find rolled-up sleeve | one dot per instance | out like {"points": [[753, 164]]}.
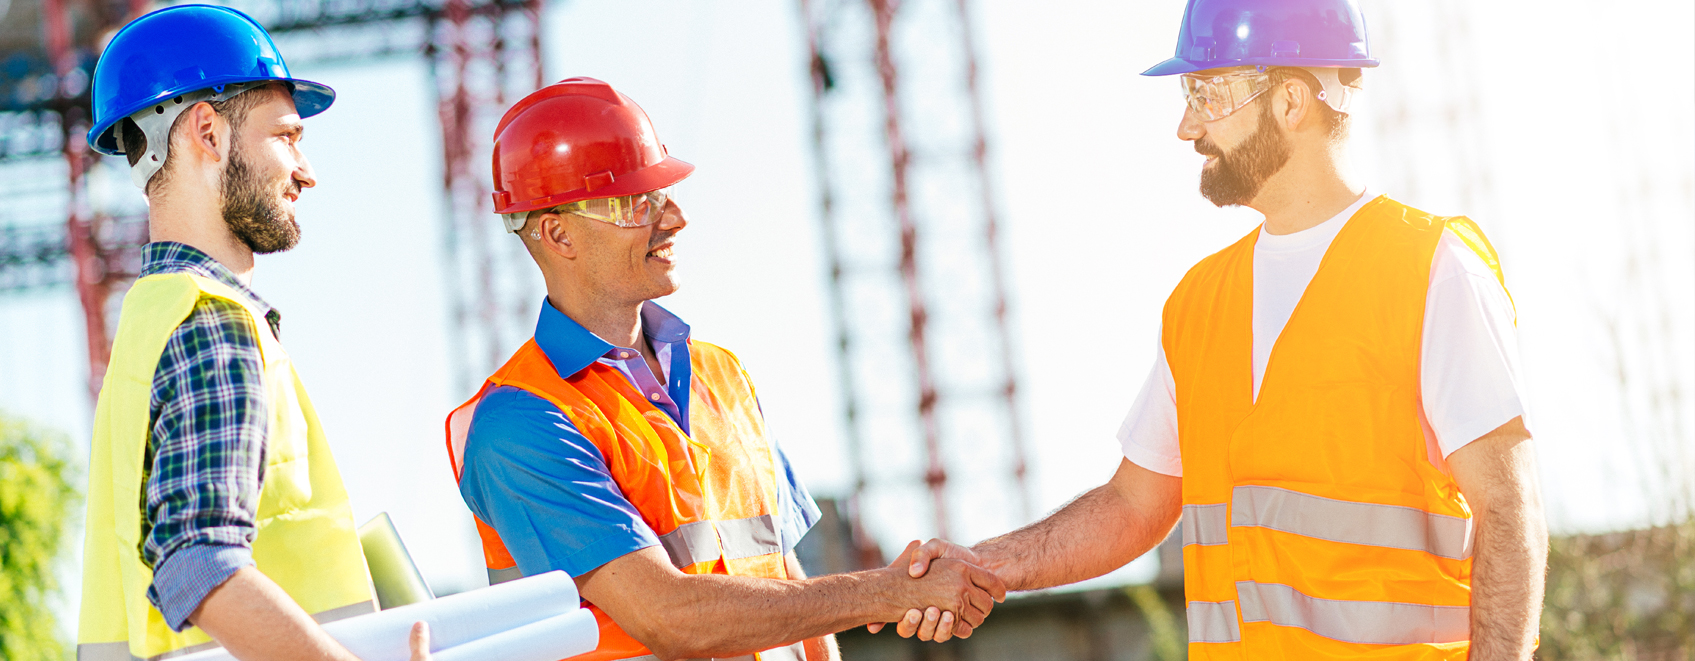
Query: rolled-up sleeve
{"points": [[545, 488], [207, 451]]}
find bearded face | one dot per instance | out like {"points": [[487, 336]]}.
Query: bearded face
{"points": [[1235, 177], [254, 206]]}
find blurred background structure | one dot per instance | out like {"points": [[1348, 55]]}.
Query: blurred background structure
{"points": [[937, 232]]}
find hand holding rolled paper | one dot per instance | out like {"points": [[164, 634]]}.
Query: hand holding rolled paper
{"points": [[531, 619]]}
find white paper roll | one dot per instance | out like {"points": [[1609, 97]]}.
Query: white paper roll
{"points": [[551, 639], [454, 620]]}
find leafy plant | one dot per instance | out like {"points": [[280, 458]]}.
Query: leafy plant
{"points": [[1626, 596], [36, 502]]}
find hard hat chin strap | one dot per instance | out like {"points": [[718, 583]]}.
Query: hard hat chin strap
{"points": [[155, 122]]}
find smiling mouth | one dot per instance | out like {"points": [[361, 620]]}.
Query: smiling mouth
{"points": [[662, 253]]}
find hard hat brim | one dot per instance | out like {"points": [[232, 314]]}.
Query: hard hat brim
{"points": [[1179, 65], [654, 177], [310, 98]]}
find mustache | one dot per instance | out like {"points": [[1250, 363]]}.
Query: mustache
{"points": [[659, 238], [1206, 148]]}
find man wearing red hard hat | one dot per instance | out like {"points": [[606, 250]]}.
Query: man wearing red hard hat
{"points": [[618, 449]]}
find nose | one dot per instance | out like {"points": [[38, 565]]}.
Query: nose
{"points": [[674, 218], [303, 173], [1190, 128]]}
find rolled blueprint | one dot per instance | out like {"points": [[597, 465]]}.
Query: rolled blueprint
{"points": [[455, 620], [393, 573], [551, 639]]}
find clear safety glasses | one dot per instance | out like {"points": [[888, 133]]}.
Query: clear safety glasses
{"points": [[638, 210], [1215, 97]]}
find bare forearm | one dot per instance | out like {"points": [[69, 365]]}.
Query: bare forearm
{"points": [[1497, 474], [256, 621], [720, 616], [1507, 579], [1098, 532]]}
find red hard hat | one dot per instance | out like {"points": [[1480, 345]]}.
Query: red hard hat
{"points": [[577, 139]]}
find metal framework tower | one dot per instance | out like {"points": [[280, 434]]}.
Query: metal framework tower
{"points": [[917, 285], [480, 51]]}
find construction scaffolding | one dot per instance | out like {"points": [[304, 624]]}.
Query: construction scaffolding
{"points": [[926, 357], [481, 52]]}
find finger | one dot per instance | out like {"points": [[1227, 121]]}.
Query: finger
{"points": [[931, 550], [921, 557], [944, 629], [932, 617], [979, 601], [420, 641], [971, 613], [990, 582], [874, 627], [963, 629], [909, 625], [906, 555]]}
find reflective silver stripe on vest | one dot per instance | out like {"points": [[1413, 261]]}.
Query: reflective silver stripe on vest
{"points": [[119, 651], [742, 538], [1389, 526], [1207, 525], [1213, 622], [1366, 622], [795, 652], [191, 649], [333, 614], [498, 576]]}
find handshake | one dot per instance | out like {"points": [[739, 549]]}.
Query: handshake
{"points": [[953, 589]]}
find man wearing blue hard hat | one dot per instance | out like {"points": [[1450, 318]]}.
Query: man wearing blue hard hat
{"points": [[216, 515], [1336, 410]]}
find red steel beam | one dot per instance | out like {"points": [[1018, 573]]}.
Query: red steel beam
{"points": [[997, 270], [94, 280], [935, 474]]}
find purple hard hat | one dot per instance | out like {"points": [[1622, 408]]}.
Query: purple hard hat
{"points": [[1272, 33]]}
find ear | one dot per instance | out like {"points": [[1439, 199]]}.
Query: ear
{"points": [[552, 232], [202, 132], [1300, 99]]}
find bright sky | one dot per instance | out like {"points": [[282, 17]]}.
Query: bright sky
{"points": [[1588, 163]]}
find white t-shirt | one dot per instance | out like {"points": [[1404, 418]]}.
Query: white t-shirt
{"points": [[1469, 373]]}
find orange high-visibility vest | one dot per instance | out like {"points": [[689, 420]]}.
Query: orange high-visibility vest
{"points": [[711, 496], [1316, 522]]}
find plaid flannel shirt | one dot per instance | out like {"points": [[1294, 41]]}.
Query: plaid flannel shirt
{"points": [[205, 457]]}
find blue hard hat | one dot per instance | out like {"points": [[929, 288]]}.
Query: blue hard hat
{"points": [[182, 49], [1272, 33]]}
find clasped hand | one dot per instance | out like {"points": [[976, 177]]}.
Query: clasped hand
{"points": [[978, 590]]}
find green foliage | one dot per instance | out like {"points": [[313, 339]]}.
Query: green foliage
{"points": [[36, 502], [1627, 596], [1169, 643]]}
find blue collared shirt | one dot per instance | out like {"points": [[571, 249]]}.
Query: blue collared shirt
{"points": [[546, 488]]}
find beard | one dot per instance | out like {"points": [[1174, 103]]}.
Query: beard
{"points": [[254, 209], [1235, 178]]}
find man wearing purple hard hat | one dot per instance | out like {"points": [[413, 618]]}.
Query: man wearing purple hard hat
{"points": [[1336, 412]]}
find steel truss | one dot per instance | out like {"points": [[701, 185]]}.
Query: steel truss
{"points": [[480, 51], [912, 238]]}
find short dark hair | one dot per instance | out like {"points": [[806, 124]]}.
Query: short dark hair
{"points": [[234, 110], [1336, 123]]}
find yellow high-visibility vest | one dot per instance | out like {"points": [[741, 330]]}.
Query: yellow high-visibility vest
{"points": [[306, 539], [1316, 522]]}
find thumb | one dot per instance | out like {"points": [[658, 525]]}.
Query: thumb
{"points": [[921, 557], [420, 641]]}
